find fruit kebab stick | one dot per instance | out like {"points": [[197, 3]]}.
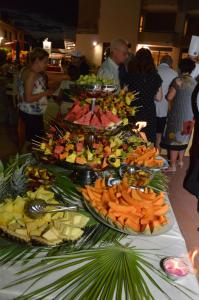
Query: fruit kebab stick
{"points": [[93, 104]]}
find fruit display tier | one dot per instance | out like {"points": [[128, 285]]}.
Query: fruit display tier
{"points": [[106, 114], [66, 148]]}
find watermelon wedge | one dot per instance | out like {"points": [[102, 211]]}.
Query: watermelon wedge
{"points": [[85, 119], [95, 121], [112, 117], [70, 116], [96, 109], [104, 120], [77, 111]]}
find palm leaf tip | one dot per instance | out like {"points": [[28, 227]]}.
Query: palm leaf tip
{"points": [[114, 272]]}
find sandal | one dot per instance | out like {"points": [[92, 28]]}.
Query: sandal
{"points": [[171, 169]]}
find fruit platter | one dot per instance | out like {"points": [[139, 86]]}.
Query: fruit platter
{"points": [[131, 211], [69, 148], [101, 115], [144, 156], [50, 229]]}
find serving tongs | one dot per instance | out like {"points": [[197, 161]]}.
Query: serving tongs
{"points": [[37, 208]]}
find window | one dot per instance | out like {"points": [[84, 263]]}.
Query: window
{"points": [[159, 22]]}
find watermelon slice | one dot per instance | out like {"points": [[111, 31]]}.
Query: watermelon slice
{"points": [[77, 111], [95, 121], [104, 120], [85, 119], [96, 109], [76, 107], [71, 116], [112, 117]]}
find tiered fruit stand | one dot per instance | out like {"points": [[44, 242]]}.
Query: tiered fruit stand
{"points": [[114, 178]]}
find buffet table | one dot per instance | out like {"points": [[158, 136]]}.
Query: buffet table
{"points": [[118, 227], [169, 244]]}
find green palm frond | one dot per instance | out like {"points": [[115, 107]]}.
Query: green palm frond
{"points": [[114, 272], [159, 182]]}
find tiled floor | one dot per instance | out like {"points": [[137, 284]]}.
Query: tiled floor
{"points": [[185, 207]]}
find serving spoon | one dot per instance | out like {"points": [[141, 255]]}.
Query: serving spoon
{"points": [[37, 208]]}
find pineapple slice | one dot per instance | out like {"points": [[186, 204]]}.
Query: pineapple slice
{"points": [[50, 229], [72, 233], [19, 205], [13, 226], [22, 231], [58, 215], [47, 218], [9, 207], [5, 218], [51, 235]]}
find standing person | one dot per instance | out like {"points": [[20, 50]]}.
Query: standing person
{"points": [[143, 78], [167, 74], [180, 118], [113, 67], [191, 182], [63, 94], [33, 93]]}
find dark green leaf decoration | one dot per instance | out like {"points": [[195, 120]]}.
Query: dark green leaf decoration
{"points": [[1, 168], [113, 272], [159, 182]]}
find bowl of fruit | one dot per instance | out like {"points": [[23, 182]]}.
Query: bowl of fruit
{"points": [[136, 177], [92, 85]]}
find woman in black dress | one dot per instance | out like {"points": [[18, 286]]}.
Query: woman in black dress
{"points": [[143, 78]]}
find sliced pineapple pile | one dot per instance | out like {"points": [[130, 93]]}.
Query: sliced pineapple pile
{"points": [[50, 229]]}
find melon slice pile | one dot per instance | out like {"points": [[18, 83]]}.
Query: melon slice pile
{"points": [[128, 209], [82, 114]]}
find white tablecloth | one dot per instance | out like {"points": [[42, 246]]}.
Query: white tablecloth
{"points": [[169, 244]]}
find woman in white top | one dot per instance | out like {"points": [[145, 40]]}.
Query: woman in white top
{"points": [[33, 93]]}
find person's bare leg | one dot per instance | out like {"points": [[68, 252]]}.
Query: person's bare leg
{"points": [[173, 160], [180, 158], [173, 157], [158, 140]]}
